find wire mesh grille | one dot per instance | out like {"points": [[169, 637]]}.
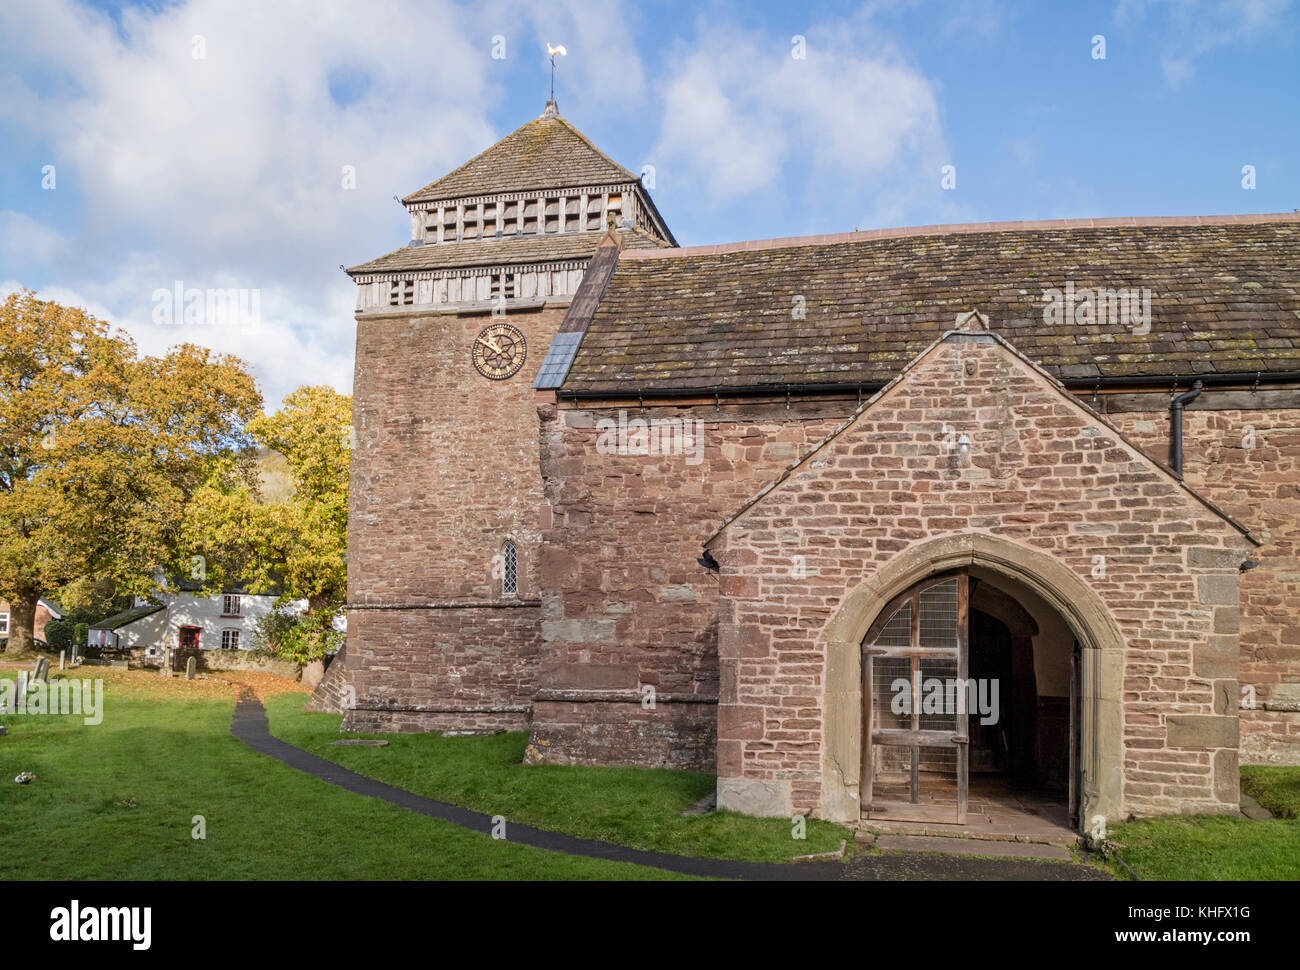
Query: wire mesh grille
{"points": [[898, 631], [939, 694], [936, 776], [891, 689], [939, 614]]}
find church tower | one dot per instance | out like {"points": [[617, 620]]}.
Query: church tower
{"points": [[443, 611]]}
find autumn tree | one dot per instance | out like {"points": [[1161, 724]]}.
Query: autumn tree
{"points": [[296, 545], [101, 453]]}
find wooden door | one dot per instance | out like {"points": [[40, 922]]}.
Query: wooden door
{"points": [[915, 742]]}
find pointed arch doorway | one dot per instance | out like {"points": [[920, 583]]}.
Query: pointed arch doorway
{"points": [[949, 695]]}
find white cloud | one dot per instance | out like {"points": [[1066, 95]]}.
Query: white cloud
{"points": [[23, 238], [602, 66], [226, 170], [741, 113], [1191, 30]]}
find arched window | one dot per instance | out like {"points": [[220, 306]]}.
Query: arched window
{"points": [[510, 569]]}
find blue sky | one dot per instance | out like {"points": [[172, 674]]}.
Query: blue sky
{"points": [[223, 170]]}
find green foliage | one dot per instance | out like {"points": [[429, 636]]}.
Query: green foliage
{"points": [[299, 637], [60, 634], [103, 450], [72, 629], [296, 545], [310, 637], [270, 630]]}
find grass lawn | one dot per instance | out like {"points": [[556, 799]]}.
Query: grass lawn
{"points": [[637, 807], [1210, 847], [1277, 789], [117, 801]]}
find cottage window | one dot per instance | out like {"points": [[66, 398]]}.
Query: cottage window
{"points": [[4, 624], [231, 605], [510, 575], [229, 639]]}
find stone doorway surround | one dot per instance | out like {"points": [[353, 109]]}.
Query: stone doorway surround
{"points": [[1080, 606]]}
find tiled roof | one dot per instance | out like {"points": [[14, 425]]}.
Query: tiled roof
{"points": [[546, 153], [1225, 298], [513, 250], [119, 620]]}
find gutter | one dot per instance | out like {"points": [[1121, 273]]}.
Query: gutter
{"points": [[1073, 383], [1176, 426], [746, 390]]}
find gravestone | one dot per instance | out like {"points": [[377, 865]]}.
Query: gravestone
{"points": [[62, 656], [189, 669], [165, 668], [42, 671]]}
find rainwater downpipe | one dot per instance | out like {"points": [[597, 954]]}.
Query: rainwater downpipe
{"points": [[1176, 424]]}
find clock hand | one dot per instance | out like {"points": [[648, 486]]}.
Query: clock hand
{"points": [[492, 344]]}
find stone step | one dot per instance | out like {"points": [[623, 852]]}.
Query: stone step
{"points": [[980, 847]]}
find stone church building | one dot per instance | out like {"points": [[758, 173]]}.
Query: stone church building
{"points": [[869, 525]]}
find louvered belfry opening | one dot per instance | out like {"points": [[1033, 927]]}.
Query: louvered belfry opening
{"points": [[915, 719]]}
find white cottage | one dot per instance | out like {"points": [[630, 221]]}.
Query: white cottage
{"points": [[186, 620]]}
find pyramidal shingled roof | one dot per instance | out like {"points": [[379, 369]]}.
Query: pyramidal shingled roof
{"points": [[548, 152]]}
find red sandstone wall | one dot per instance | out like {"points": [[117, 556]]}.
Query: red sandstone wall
{"points": [[625, 604], [445, 463], [1039, 473], [1260, 486], [444, 467]]}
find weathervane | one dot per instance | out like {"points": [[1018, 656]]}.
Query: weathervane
{"points": [[553, 51]]}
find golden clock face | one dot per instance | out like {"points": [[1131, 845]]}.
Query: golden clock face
{"points": [[499, 352]]}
